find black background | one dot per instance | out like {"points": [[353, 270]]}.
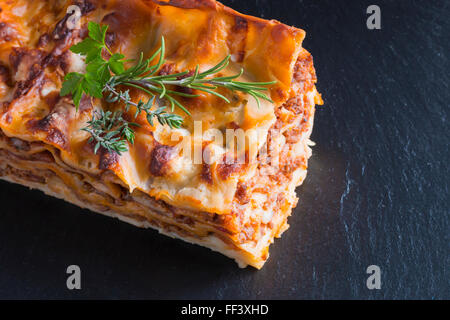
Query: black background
{"points": [[376, 191]]}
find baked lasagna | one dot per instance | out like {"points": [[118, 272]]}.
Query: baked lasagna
{"points": [[234, 207]]}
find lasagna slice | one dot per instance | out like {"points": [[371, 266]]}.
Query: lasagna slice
{"points": [[233, 207]]}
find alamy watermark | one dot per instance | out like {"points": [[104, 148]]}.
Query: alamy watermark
{"points": [[73, 21], [73, 281], [374, 280], [229, 146], [374, 20]]}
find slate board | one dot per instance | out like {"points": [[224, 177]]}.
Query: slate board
{"points": [[376, 192]]}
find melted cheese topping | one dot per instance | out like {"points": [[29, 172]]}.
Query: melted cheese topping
{"points": [[34, 43]]}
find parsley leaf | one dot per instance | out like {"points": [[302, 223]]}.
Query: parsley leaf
{"points": [[73, 85], [116, 63], [97, 32], [89, 48]]}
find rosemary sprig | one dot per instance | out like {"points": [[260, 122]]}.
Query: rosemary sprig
{"points": [[143, 77], [109, 77]]}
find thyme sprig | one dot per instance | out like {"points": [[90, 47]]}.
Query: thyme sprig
{"points": [[110, 131], [108, 77], [170, 119]]}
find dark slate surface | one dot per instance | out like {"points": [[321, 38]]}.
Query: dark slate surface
{"points": [[376, 193]]}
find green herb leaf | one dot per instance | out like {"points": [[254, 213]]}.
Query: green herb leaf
{"points": [[97, 32], [92, 87], [116, 63], [108, 129], [73, 84], [72, 81], [99, 70], [89, 48]]}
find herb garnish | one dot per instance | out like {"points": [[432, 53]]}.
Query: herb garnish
{"points": [[110, 130], [104, 76]]}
